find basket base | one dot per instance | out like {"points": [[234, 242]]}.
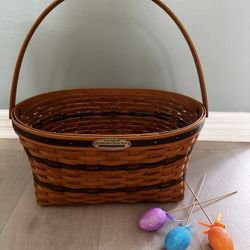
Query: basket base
{"points": [[46, 197]]}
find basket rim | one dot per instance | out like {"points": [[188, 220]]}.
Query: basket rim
{"points": [[71, 136]]}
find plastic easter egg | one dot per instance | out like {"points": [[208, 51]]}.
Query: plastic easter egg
{"points": [[179, 238], [152, 220], [220, 239]]}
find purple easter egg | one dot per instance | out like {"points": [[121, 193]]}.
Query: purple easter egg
{"points": [[152, 220]]}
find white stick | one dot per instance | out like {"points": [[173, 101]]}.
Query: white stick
{"points": [[197, 195], [202, 208], [204, 202]]}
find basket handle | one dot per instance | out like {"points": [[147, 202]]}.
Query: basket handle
{"points": [[56, 3]]}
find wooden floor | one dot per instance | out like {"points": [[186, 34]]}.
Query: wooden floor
{"points": [[26, 226]]}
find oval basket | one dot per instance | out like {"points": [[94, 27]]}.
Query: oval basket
{"points": [[108, 145]]}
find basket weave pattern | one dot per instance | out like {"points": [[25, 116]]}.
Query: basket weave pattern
{"points": [[108, 145]]}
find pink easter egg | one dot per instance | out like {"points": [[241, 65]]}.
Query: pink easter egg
{"points": [[152, 220]]}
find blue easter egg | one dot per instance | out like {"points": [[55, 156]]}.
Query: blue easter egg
{"points": [[179, 238]]}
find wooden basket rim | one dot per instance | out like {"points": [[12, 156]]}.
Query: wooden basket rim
{"points": [[71, 136]]}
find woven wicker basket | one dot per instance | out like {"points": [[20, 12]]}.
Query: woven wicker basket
{"points": [[108, 145]]}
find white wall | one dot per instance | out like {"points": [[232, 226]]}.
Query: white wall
{"points": [[127, 43]]}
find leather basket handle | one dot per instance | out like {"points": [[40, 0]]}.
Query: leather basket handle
{"points": [[53, 5]]}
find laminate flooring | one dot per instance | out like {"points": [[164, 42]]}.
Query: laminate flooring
{"points": [[24, 225]]}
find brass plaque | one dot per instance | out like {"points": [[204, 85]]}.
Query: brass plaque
{"points": [[111, 144]]}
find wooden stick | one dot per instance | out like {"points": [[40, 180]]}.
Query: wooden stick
{"points": [[197, 195], [204, 202], [202, 208]]}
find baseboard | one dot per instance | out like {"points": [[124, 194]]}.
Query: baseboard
{"points": [[6, 130], [227, 126], [220, 126]]}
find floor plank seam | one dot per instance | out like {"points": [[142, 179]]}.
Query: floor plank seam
{"points": [[99, 231], [238, 161], [25, 188], [198, 238]]}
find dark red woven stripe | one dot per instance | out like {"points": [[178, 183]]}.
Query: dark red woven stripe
{"points": [[93, 168], [81, 143], [105, 190]]}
